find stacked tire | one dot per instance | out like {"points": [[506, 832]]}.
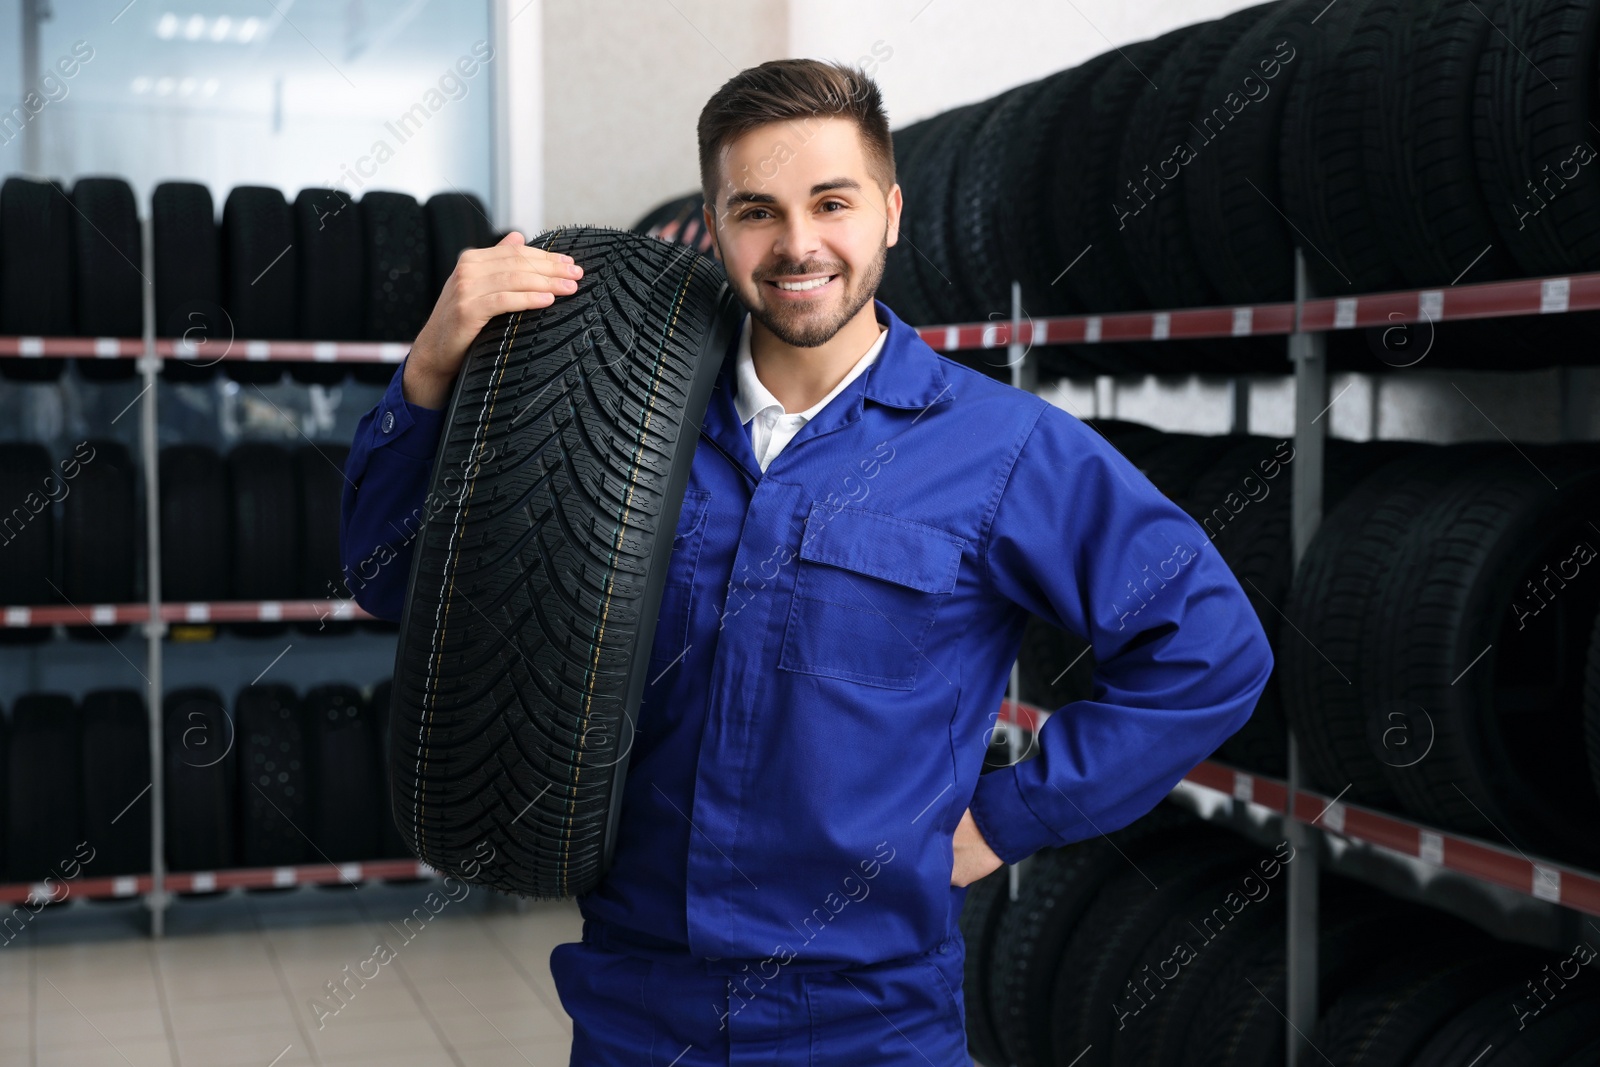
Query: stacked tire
{"points": [[1399, 144], [1164, 944]]}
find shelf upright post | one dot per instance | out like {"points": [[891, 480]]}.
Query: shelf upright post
{"points": [[154, 627], [1024, 375], [1308, 352]]}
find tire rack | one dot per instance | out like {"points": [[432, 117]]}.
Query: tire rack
{"points": [[1303, 321]]}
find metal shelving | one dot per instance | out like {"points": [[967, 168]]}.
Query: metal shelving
{"points": [[1306, 814]]}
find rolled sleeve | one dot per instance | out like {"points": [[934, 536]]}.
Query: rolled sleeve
{"points": [[381, 512], [1082, 539]]}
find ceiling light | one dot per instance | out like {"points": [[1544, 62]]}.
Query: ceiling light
{"points": [[220, 28], [247, 31], [167, 26], [163, 86], [141, 84], [194, 27], [210, 88]]}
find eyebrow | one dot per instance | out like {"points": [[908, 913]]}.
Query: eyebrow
{"points": [[767, 198]]}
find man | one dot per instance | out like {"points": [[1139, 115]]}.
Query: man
{"points": [[866, 530]]}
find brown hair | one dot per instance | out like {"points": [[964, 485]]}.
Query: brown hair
{"points": [[781, 90]]}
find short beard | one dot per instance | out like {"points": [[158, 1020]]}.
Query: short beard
{"points": [[809, 334]]}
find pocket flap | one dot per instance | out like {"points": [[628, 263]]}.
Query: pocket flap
{"points": [[896, 550]]}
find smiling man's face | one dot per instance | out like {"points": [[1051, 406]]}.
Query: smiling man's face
{"points": [[803, 230]]}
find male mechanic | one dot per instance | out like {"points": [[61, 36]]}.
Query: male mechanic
{"points": [[866, 530]]}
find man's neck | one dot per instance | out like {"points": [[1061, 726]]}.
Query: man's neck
{"points": [[799, 377]]}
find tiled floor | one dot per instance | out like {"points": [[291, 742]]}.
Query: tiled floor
{"points": [[243, 980]]}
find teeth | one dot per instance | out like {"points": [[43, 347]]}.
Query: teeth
{"points": [[799, 287]]}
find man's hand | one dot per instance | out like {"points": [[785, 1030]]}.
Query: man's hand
{"points": [[974, 858], [486, 282]]}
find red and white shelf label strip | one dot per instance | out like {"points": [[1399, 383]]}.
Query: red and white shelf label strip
{"points": [[280, 877], [48, 347], [19, 617], [1526, 296], [133, 885], [207, 354], [1502, 866], [1530, 296]]}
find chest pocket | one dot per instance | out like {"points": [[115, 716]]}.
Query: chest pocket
{"points": [[867, 589], [672, 621]]}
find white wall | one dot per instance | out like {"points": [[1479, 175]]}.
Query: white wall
{"points": [[624, 82], [950, 52]]}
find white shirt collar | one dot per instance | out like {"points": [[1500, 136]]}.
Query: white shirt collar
{"points": [[753, 398]]}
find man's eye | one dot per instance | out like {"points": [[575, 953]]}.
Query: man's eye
{"points": [[836, 203], [752, 213]]}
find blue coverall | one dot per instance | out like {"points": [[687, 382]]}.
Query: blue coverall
{"points": [[832, 648]]}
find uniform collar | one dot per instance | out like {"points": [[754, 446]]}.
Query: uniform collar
{"points": [[907, 375], [751, 397]]}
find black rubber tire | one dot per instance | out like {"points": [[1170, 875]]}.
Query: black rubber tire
{"points": [[1033, 254], [1233, 191], [1088, 146], [456, 222], [1168, 1033], [1384, 1021], [36, 287], [186, 247], [196, 527], [986, 902], [1473, 569], [1224, 918], [36, 282], [107, 251], [266, 523], [108, 264], [1175, 462], [274, 786], [328, 242], [45, 786], [1323, 690], [1055, 667], [1535, 103], [1131, 907], [982, 184], [1484, 1024], [1254, 541], [398, 264], [448, 793], [934, 221], [899, 289], [390, 844], [319, 476], [260, 275], [102, 543], [1591, 703], [679, 221], [1155, 235], [345, 780], [1322, 165], [1059, 887], [28, 534], [1361, 932], [200, 785], [1422, 179], [116, 781]]}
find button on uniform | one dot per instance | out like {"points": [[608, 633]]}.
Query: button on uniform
{"points": [[388, 422]]}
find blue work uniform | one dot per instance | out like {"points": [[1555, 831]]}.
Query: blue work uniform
{"points": [[833, 645]]}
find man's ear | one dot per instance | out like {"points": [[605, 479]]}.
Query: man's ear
{"points": [[711, 227], [893, 205]]}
